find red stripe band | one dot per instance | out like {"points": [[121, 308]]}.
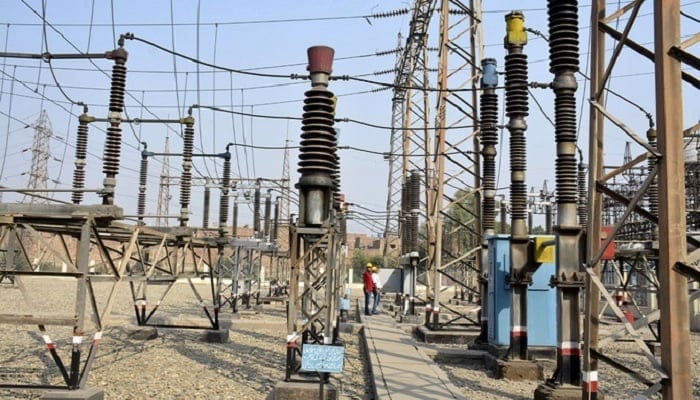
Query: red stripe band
{"points": [[590, 387], [568, 352]]}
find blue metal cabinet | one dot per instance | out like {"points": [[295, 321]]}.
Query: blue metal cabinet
{"points": [[541, 298]]}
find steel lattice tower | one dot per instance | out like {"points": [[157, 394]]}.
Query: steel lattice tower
{"points": [[164, 188], [455, 181], [411, 103], [284, 204], [393, 201], [39, 170]]}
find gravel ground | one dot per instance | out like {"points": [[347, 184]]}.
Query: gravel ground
{"points": [[476, 382], [178, 364]]}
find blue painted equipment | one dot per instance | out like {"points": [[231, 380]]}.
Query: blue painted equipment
{"points": [[541, 298]]}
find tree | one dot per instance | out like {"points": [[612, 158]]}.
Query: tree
{"points": [[360, 259]]}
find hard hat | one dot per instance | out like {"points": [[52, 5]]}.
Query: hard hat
{"points": [[369, 265], [375, 269]]}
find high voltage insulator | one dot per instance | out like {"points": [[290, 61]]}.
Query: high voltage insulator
{"points": [[414, 206], [516, 81], [563, 36], [564, 62], [207, 201], [392, 13], [234, 221], [653, 191], [582, 195], [318, 146], [81, 142], [186, 179], [386, 71], [268, 216], [403, 215], [489, 141], [256, 210], [276, 220], [224, 200], [143, 176], [113, 141], [389, 52]]}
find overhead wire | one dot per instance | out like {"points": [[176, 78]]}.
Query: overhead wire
{"points": [[127, 92], [358, 149], [379, 15], [65, 148], [7, 130], [45, 46], [690, 17], [213, 97], [92, 17], [252, 140], [245, 152], [114, 27], [233, 126], [61, 106], [539, 106], [4, 60], [199, 111]]}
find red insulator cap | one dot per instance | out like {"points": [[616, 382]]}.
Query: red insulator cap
{"points": [[320, 59]]}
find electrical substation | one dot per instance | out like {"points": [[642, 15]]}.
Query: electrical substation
{"points": [[556, 255]]}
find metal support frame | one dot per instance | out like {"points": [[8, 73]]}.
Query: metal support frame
{"points": [[672, 375], [453, 178]]}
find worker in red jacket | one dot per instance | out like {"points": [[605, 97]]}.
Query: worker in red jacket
{"points": [[368, 286]]}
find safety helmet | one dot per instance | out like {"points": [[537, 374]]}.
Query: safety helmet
{"points": [[375, 269], [369, 265]]}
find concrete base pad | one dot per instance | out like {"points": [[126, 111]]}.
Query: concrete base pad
{"points": [[303, 391], [564, 392], [409, 319], [79, 394], [142, 332], [216, 336], [516, 370], [349, 327], [447, 336], [534, 352]]}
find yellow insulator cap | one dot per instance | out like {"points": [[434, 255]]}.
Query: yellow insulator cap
{"points": [[544, 249], [515, 29]]}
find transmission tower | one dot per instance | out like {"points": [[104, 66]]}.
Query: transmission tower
{"points": [[164, 189], [39, 170], [453, 182], [410, 109], [284, 204], [395, 172]]}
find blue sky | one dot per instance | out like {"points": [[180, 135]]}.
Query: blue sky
{"points": [[270, 37]]}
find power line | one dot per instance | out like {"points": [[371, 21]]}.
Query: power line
{"points": [[204, 63], [395, 13]]}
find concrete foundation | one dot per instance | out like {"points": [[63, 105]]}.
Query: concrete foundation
{"points": [[534, 352], [216, 336], [546, 391], [303, 391], [516, 370], [258, 308], [447, 335], [409, 319], [78, 394], [142, 332]]}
